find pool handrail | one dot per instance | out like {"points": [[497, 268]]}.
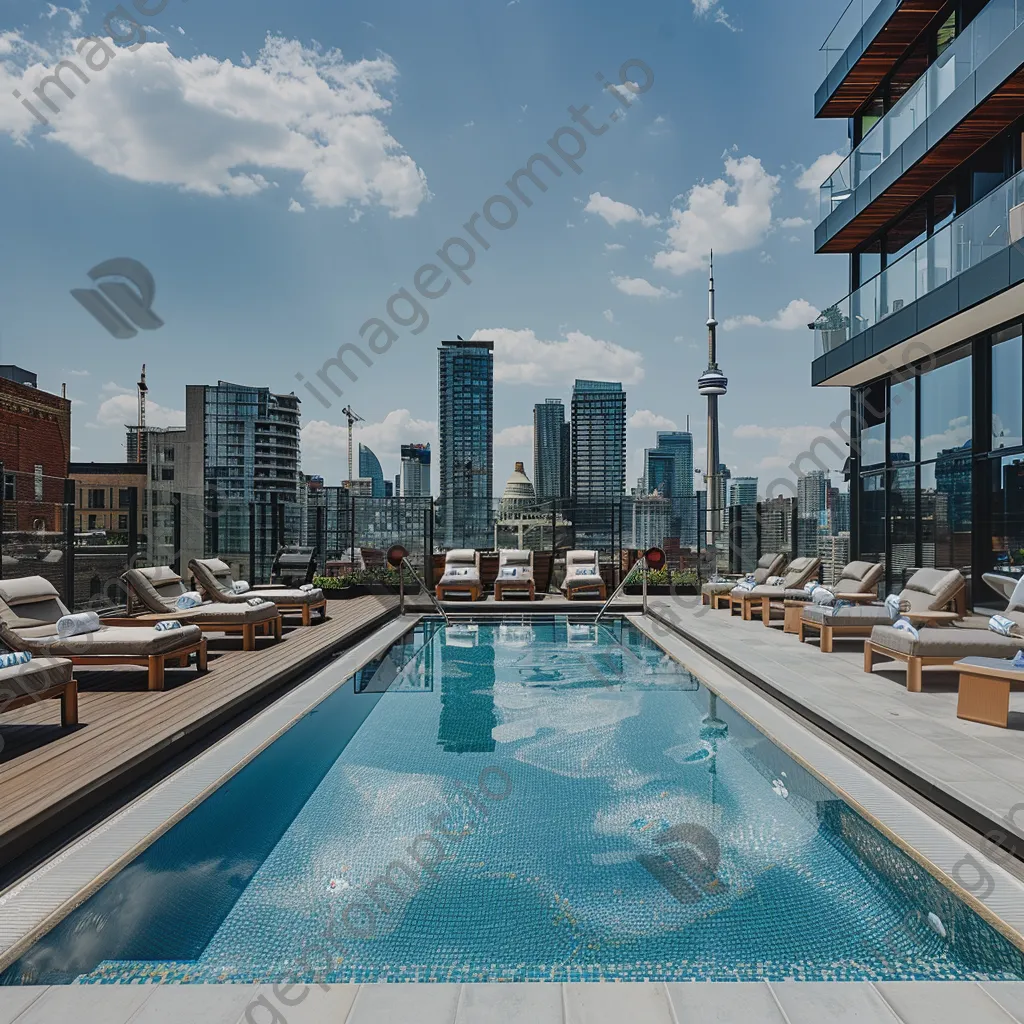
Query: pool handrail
{"points": [[423, 587], [625, 580]]}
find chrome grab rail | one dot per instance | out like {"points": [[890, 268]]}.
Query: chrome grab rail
{"points": [[626, 579], [423, 587]]}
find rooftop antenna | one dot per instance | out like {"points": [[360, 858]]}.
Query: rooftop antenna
{"points": [[353, 418], [143, 391]]}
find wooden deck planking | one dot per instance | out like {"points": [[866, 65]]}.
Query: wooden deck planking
{"points": [[53, 775]]}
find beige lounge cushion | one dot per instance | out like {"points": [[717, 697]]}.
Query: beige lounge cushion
{"points": [[35, 676], [220, 612], [849, 615], [156, 588], [29, 602], [799, 572], [214, 578], [724, 587], [461, 557], [930, 590], [128, 641], [946, 642]]}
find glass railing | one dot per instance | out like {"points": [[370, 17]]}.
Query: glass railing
{"points": [[992, 25], [848, 25], [978, 233]]}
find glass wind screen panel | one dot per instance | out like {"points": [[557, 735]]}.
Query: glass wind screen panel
{"points": [[952, 68], [903, 421], [946, 410], [1007, 379], [902, 520], [848, 25], [980, 232]]}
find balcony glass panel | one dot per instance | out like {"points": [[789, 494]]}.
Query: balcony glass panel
{"points": [[978, 233], [953, 67], [848, 25]]}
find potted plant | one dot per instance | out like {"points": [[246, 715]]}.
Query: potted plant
{"points": [[363, 582], [833, 326]]}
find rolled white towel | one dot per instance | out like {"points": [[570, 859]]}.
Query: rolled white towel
{"points": [[893, 606], [823, 596], [775, 581], [240, 586], [166, 624], [1003, 626], [190, 599], [255, 601], [747, 585], [905, 626], [307, 587], [76, 625], [13, 658]]}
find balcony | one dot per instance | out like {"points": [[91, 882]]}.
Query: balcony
{"points": [[988, 227], [953, 69], [869, 38]]}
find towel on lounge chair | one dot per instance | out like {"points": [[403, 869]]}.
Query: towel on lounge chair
{"points": [[810, 588], [190, 599], [1018, 660], [905, 626], [822, 595], [1004, 627], [775, 581], [12, 658], [167, 624], [76, 625], [747, 585], [255, 601], [893, 606], [240, 586], [307, 586]]}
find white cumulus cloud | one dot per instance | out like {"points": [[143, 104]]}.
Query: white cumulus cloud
{"points": [[729, 214], [616, 213], [640, 287], [219, 128], [644, 419], [799, 313], [520, 357], [123, 408], [811, 179], [514, 437]]}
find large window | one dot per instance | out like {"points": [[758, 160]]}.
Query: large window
{"points": [[946, 408], [903, 421], [1007, 498], [872, 407], [1007, 380]]}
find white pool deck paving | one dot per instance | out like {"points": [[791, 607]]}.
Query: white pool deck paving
{"points": [[787, 1002], [978, 767]]}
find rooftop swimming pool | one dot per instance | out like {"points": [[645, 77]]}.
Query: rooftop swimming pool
{"points": [[509, 802]]}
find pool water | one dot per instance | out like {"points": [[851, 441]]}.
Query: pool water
{"points": [[521, 802]]}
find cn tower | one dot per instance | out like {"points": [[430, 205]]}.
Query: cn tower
{"points": [[712, 383]]}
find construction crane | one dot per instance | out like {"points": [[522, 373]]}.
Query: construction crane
{"points": [[143, 390], [353, 418]]}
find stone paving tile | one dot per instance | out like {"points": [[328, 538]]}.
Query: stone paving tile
{"points": [[299, 1004], [14, 1000], [404, 1004], [88, 1004], [934, 1002], [1009, 995], [209, 1004], [823, 1002], [539, 1003], [712, 1003], [617, 1003]]}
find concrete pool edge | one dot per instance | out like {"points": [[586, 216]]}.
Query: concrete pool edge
{"points": [[41, 899], [934, 847]]}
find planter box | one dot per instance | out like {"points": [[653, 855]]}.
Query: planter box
{"points": [[365, 589], [660, 590]]}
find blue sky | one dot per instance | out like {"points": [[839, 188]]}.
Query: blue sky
{"points": [[284, 169]]}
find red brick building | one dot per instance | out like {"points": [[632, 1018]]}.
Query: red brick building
{"points": [[35, 448]]}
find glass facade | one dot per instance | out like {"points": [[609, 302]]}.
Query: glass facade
{"points": [[466, 429], [369, 469], [550, 450], [940, 477]]}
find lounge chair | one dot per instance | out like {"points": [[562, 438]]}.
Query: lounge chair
{"points": [[858, 581], [461, 575], [944, 645], [583, 573], [800, 572], [515, 574], [215, 583], [716, 592], [928, 595], [30, 608], [40, 679], [153, 594]]}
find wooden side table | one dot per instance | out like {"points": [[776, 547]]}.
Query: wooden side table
{"points": [[985, 685]]}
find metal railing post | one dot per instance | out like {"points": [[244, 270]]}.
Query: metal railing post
{"points": [[69, 544]]}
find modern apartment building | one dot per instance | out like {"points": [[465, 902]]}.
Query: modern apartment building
{"points": [[369, 468], [929, 205], [415, 481], [668, 469], [743, 496], [551, 450], [466, 435], [599, 464]]}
